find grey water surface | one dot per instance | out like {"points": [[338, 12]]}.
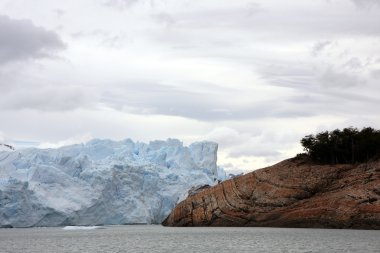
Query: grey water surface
{"points": [[156, 238]]}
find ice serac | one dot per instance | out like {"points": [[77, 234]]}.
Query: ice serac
{"points": [[293, 193], [102, 182]]}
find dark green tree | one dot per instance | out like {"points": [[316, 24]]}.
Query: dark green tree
{"points": [[343, 146]]}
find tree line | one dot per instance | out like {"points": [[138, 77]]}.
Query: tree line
{"points": [[349, 145]]}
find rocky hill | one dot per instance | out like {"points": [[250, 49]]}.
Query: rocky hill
{"points": [[292, 193]]}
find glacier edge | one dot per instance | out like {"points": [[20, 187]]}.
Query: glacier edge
{"points": [[102, 182]]}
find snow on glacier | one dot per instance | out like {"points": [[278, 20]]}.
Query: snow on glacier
{"points": [[101, 182]]}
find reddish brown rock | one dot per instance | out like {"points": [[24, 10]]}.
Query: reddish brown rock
{"points": [[293, 193]]}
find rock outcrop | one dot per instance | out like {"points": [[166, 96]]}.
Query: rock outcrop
{"points": [[292, 193]]}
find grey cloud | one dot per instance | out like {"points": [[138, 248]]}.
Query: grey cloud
{"points": [[353, 63], [237, 144], [342, 101], [22, 40], [366, 3], [92, 33], [59, 12], [122, 4], [274, 24], [290, 75], [321, 91], [335, 100], [258, 151], [104, 38], [153, 98], [228, 137], [24, 87], [337, 79], [227, 165], [115, 41], [48, 98], [305, 99], [375, 73], [253, 8], [320, 46], [309, 76], [164, 18]]}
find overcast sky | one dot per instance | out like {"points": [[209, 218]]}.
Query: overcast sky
{"points": [[254, 76]]}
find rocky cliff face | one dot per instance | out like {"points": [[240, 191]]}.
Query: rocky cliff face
{"points": [[293, 193]]}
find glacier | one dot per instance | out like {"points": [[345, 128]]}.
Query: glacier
{"points": [[102, 182]]}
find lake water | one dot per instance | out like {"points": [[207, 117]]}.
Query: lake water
{"points": [[163, 239]]}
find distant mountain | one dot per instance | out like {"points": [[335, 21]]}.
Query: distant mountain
{"points": [[292, 193], [101, 182]]}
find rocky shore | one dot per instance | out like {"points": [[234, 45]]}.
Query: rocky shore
{"points": [[292, 193]]}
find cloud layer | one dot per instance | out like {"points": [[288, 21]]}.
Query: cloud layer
{"points": [[22, 40], [253, 76]]}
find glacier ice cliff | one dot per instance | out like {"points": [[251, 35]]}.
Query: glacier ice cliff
{"points": [[102, 182]]}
